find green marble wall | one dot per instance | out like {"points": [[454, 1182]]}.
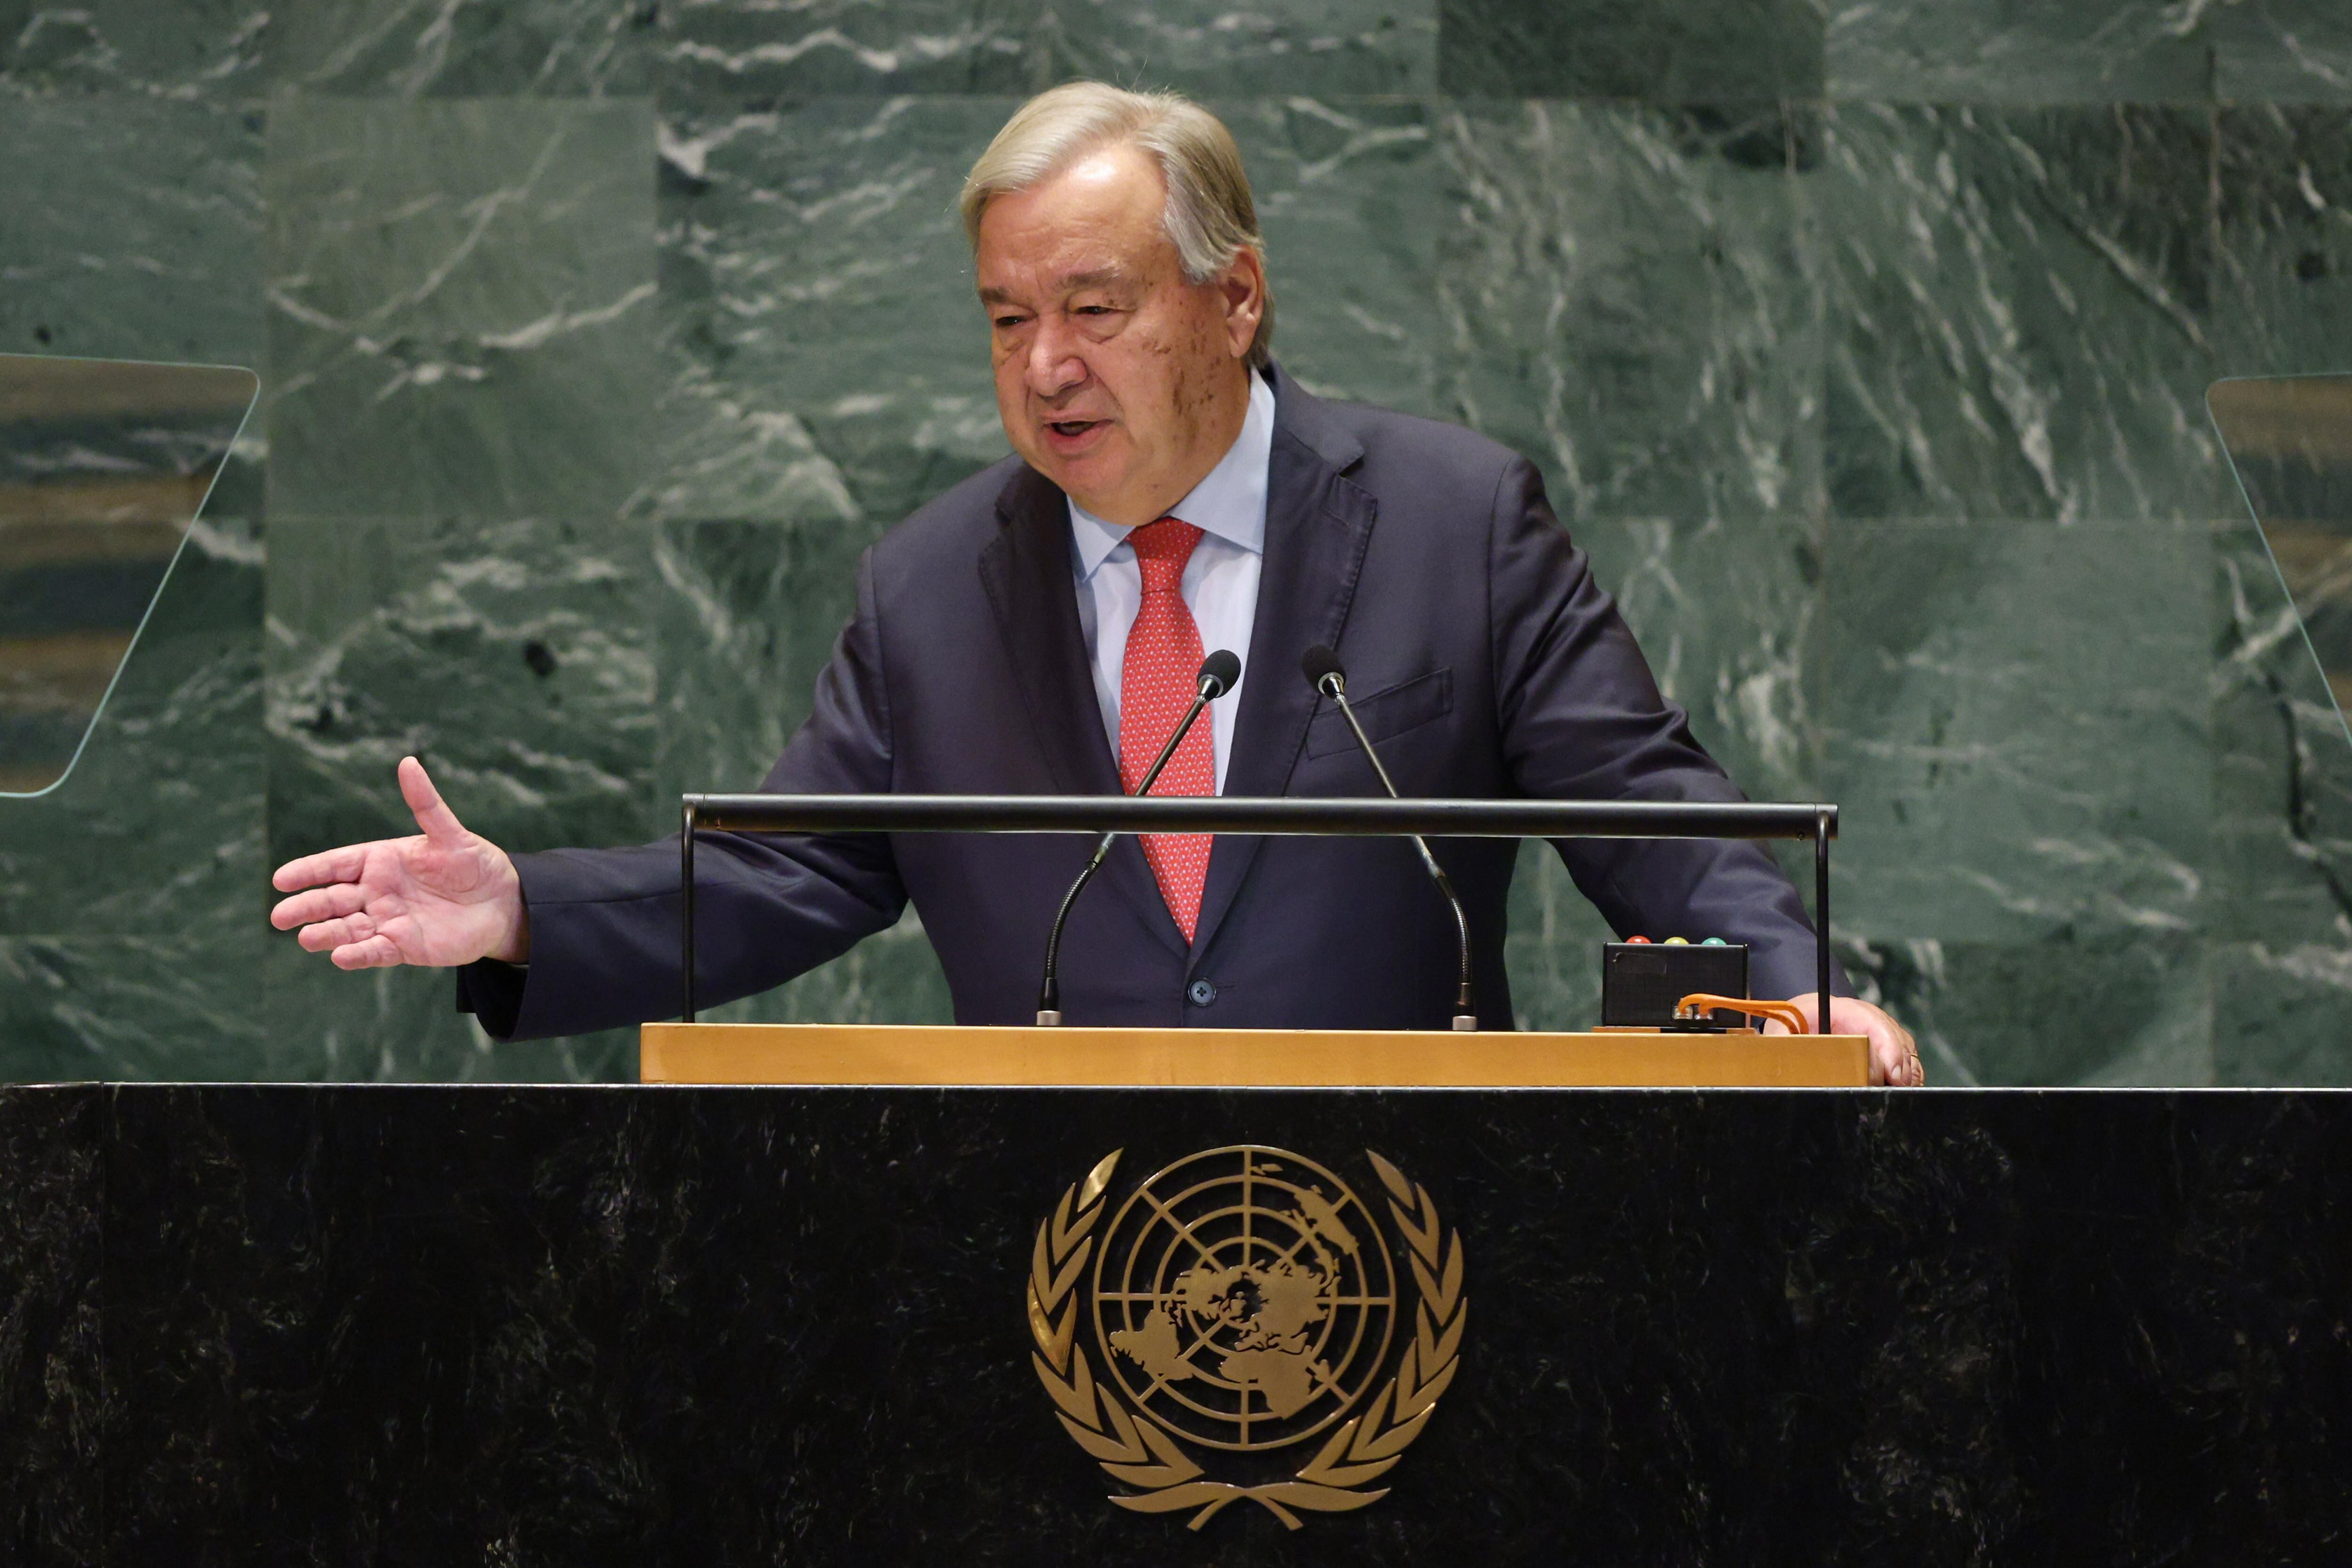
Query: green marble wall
{"points": [[1865, 351]]}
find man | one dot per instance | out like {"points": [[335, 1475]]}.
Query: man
{"points": [[1036, 630]]}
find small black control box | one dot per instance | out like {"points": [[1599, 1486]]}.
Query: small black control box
{"points": [[1642, 981]]}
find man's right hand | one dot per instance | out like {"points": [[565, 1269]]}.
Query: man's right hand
{"points": [[445, 896]]}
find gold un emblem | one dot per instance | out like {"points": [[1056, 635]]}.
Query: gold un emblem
{"points": [[1239, 1303]]}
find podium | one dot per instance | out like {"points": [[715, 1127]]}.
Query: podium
{"points": [[904, 1054], [692, 1327]]}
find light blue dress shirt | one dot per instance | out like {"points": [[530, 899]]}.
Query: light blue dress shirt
{"points": [[1220, 584]]}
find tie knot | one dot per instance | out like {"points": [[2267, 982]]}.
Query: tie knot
{"points": [[1161, 549]]}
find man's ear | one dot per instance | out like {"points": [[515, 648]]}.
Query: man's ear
{"points": [[1241, 289]]}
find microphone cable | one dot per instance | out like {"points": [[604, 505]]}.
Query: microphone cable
{"points": [[1324, 672], [1219, 671]]}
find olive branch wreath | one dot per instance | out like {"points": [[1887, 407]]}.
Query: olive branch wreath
{"points": [[1139, 1453]]}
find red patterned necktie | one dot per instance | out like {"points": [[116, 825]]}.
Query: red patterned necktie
{"points": [[1157, 682]]}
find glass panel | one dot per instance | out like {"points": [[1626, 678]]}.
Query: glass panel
{"points": [[2290, 439], [104, 465]]}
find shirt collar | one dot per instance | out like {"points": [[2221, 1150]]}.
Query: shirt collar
{"points": [[1230, 502]]}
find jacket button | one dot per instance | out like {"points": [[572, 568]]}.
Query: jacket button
{"points": [[1201, 992]]}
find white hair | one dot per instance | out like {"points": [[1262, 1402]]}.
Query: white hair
{"points": [[1209, 215]]}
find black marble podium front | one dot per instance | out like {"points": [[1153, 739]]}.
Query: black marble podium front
{"points": [[522, 1326]]}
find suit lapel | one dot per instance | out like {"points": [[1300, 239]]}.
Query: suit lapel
{"points": [[1317, 525], [1025, 570]]}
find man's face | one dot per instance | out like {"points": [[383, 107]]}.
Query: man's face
{"points": [[1116, 378]]}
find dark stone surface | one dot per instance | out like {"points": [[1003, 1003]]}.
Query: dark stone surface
{"points": [[52, 1388], [579, 1326]]}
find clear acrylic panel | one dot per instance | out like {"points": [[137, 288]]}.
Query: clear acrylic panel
{"points": [[2290, 440], [104, 465]]}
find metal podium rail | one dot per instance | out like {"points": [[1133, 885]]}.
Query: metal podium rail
{"points": [[1214, 814]]}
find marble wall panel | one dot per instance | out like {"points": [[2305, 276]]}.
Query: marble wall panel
{"points": [[2079, 1006], [458, 294], [1627, 49], [141, 238], [716, 52], [1626, 292], [817, 308], [413, 48], [1339, 48], [134, 48], [2019, 313], [2283, 226], [2281, 51], [2090, 51], [2016, 721], [745, 51], [2041, 51], [171, 1007], [1353, 199], [52, 1381], [2278, 1012]]}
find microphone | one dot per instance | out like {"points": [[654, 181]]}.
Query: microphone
{"points": [[1324, 672], [1218, 673]]}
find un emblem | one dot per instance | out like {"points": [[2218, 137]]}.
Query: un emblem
{"points": [[1245, 1301]]}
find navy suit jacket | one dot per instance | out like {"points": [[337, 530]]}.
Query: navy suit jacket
{"points": [[1482, 658]]}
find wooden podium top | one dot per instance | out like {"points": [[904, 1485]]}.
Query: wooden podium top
{"points": [[1241, 1059]]}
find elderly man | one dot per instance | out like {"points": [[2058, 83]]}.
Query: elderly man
{"points": [[1036, 630]]}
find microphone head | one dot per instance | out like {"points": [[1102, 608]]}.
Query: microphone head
{"points": [[1218, 673], [1321, 664]]}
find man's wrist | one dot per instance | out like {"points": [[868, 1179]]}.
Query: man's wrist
{"points": [[516, 949], [514, 946]]}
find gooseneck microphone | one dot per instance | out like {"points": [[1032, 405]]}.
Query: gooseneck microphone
{"points": [[1323, 671], [1218, 673]]}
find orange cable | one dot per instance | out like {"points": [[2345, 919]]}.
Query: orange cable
{"points": [[1787, 1013]]}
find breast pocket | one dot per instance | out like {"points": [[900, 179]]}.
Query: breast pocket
{"points": [[1391, 710]]}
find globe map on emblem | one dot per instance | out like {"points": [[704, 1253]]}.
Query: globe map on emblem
{"points": [[1243, 1297]]}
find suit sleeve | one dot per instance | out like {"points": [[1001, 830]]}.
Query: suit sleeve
{"points": [[604, 923], [1582, 719]]}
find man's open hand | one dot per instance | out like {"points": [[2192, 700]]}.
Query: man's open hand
{"points": [[445, 897], [1894, 1055]]}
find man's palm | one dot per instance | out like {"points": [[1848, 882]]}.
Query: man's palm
{"points": [[440, 898]]}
